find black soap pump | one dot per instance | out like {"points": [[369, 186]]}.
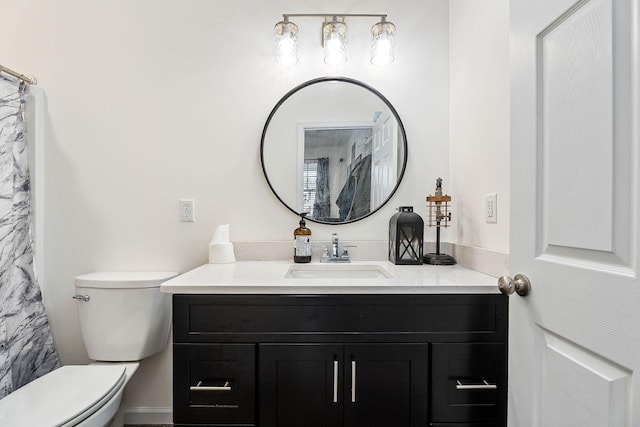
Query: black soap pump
{"points": [[302, 236]]}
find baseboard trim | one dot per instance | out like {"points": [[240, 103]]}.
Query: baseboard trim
{"points": [[148, 415]]}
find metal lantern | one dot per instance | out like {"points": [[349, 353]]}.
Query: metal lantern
{"points": [[406, 230]]}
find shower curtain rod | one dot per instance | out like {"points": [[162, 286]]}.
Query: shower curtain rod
{"points": [[25, 78]]}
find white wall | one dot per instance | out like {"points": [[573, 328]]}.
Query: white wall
{"points": [[479, 120], [153, 101]]}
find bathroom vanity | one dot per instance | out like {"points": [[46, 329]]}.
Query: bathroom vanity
{"points": [[272, 344]]}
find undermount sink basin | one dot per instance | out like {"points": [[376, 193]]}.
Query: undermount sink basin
{"points": [[337, 271]]}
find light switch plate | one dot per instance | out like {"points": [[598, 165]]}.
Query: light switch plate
{"points": [[491, 208]]}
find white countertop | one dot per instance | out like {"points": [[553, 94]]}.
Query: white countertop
{"points": [[268, 277]]}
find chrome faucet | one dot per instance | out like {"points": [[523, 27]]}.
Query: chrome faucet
{"points": [[335, 256], [334, 245]]}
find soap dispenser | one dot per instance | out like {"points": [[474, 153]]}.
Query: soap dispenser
{"points": [[302, 237]]}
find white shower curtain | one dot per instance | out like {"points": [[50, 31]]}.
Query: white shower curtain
{"points": [[26, 345]]}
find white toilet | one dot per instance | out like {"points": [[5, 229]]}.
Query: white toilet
{"points": [[124, 318]]}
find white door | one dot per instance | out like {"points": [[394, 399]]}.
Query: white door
{"points": [[575, 340], [384, 159]]}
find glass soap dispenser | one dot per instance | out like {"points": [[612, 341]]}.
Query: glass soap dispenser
{"points": [[302, 237]]}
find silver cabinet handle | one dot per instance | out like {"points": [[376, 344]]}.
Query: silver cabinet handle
{"points": [[485, 386], [199, 387], [335, 381], [353, 381], [84, 298]]}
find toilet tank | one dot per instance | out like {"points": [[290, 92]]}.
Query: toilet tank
{"points": [[123, 315]]}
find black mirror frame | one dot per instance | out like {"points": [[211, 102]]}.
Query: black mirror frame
{"points": [[345, 80]]}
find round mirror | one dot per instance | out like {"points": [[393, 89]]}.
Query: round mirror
{"points": [[334, 148]]}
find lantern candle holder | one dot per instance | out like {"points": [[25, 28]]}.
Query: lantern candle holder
{"points": [[406, 230], [439, 216]]}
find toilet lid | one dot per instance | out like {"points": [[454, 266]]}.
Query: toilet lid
{"points": [[124, 279], [63, 397]]}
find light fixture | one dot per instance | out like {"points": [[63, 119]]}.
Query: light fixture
{"points": [[286, 46], [382, 42], [334, 38], [334, 41]]}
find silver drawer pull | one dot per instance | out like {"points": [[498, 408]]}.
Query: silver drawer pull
{"points": [[84, 298], [335, 381], [485, 386], [353, 381], [199, 387]]}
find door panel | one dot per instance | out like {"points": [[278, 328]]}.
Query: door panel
{"points": [[567, 370], [575, 340], [584, 148], [383, 159], [575, 95]]}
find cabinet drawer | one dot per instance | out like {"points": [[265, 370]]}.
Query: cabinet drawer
{"points": [[469, 383], [214, 384], [330, 318]]}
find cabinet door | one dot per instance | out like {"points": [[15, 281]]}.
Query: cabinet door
{"points": [[386, 385], [300, 385]]}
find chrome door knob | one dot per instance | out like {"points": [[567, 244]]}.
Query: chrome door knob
{"points": [[520, 284]]}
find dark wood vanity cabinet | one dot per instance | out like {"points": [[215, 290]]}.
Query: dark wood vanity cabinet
{"points": [[340, 360]]}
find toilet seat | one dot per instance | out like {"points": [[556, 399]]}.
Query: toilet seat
{"points": [[64, 397]]}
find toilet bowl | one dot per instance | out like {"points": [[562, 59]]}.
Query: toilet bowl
{"points": [[123, 318]]}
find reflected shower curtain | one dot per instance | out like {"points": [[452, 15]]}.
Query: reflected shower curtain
{"points": [[26, 345]]}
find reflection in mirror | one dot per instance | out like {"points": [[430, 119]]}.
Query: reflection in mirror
{"points": [[334, 148]]}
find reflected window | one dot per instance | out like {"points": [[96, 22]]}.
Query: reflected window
{"points": [[309, 185], [315, 188]]}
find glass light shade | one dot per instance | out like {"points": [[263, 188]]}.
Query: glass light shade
{"points": [[334, 40], [382, 43], [286, 43]]}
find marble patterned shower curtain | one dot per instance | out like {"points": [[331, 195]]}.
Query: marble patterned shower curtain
{"points": [[26, 345]]}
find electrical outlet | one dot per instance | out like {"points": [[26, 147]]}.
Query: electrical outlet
{"points": [[491, 208], [187, 210]]}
